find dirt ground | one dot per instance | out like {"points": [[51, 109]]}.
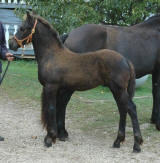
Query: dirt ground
{"points": [[21, 127]]}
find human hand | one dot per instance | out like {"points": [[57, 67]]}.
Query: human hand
{"points": [[9, 56]]}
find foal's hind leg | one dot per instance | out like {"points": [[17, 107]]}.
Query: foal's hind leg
{"points": [[136, 130], [63, 98], [49, 113], [123, 114], [126, 105], [121, 131], [156, 98]]}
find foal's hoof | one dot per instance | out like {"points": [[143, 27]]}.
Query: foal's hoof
{"points": [[48, 141], [116, 145], [158, 126], [63, 136], [136, 149], [118, 141]]}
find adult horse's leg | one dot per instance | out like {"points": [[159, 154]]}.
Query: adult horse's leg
{"points": [[156, 98], [49, 113], [125, 104], [63, 98]]}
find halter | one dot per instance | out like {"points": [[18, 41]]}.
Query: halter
{"points": [[28, 38]]}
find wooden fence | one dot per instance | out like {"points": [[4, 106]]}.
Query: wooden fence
{"points": [[13, 1]]}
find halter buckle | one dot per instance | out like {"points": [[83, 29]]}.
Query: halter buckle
{"points": [[28, 38]]}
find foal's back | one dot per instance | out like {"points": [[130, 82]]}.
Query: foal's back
{"points": [[95, 68]]}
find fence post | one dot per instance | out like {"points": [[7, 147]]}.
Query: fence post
{"points": [[15, 1], [7, 34], [15, 29], [22, 2]]}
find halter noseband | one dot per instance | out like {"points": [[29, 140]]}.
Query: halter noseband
{"points": [[28, 38]]}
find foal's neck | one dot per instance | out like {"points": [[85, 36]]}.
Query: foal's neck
{"points": [[46, 43]]}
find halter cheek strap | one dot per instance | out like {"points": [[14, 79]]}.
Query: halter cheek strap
{"points": [[28, 38]]}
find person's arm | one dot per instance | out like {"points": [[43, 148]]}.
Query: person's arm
{"points": [[3, 44], [4, 54]]}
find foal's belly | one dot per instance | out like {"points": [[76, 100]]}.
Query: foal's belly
{"points": [[82, 87], [82, 83]]}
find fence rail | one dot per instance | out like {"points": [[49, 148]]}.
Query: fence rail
{"points": [[12, 4], [13, 1]]}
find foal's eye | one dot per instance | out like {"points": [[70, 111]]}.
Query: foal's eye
{"points": [[29, 28], [22, 29]]}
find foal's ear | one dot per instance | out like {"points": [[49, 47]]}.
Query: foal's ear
{"points": [[34, 12], [29, 17]]}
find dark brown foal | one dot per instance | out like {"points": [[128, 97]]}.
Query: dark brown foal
{"points": [[60, 69]]}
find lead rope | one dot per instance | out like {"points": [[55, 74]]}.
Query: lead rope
{"points": [[3, 75], [29, 39], [6, 69]]}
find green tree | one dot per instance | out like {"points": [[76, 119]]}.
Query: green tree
{"points": [[128, 12], [65, 15]]}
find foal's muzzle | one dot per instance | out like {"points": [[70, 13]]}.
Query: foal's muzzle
{"points": [[13, 44]]}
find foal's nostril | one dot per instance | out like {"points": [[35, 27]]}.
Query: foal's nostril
{"points": [[12, 44]]}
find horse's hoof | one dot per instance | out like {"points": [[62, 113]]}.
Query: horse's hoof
{"points": [[116, 145], [63, 136], [54, 139], [52, 136], [48, 141], [158, 126], [136, 149]]}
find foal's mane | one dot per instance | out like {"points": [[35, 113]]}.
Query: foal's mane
{"points": [[43, 21], [52, 31]]}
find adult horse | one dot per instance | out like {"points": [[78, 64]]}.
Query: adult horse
{"points": [[138, 43], [60, 69]]}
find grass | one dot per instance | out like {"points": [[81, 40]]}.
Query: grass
{"points": [[90, 110], [21, 80]]}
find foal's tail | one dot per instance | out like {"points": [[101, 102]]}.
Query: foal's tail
{"points": [[131, 84]]}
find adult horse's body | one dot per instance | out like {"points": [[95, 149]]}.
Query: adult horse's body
{"points": [[60, 69], [139, 43]]}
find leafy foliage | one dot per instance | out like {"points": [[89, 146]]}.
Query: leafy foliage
{"points": [[128, 12], [65, 15]]}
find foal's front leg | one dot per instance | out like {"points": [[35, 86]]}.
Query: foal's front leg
{"points": [[49, 113], [63, 98]]}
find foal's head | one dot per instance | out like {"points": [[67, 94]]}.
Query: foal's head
{"points": [[33, 24], [24, 34]]}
